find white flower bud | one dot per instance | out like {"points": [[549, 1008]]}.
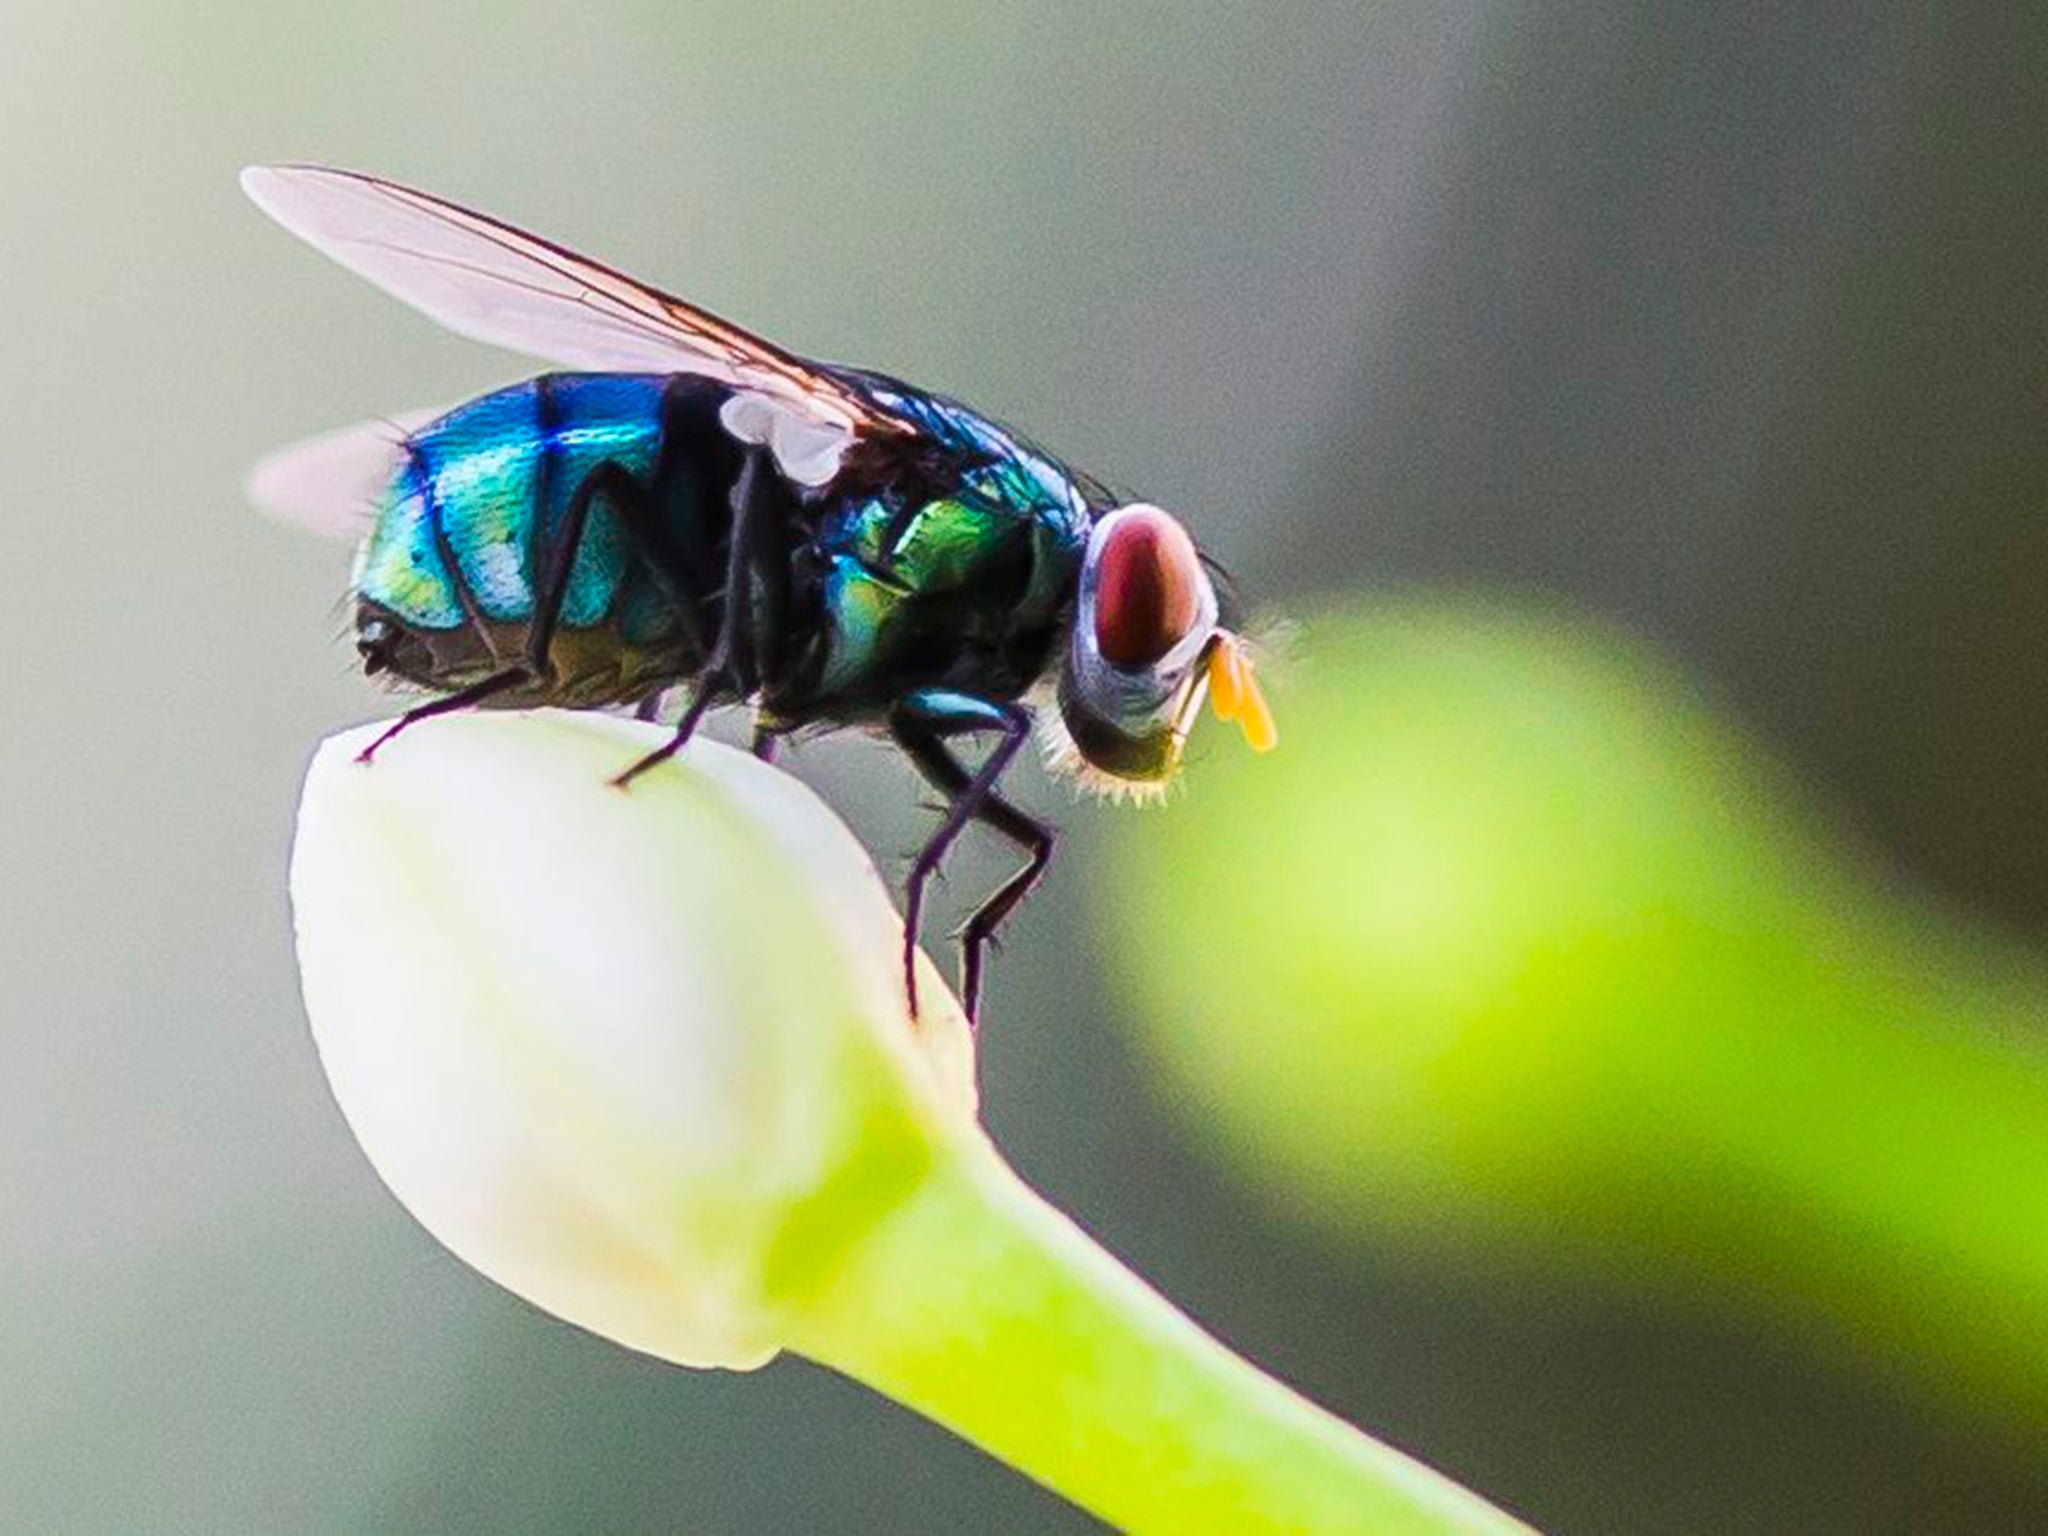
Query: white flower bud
{"points": [[642, 1057]]}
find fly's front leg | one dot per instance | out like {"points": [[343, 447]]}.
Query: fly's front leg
{"points": [[728, 671], [921, 725]]}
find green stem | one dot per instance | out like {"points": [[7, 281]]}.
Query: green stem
{"points": [[981, 1306]]}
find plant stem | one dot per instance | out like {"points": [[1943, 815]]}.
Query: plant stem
{"points": [[981, 1306]]}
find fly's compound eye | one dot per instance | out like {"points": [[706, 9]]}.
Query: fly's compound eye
{"points": [[1149, 588]]}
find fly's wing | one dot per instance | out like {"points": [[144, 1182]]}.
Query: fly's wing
{"points": [[486, 280], [330, 484]]}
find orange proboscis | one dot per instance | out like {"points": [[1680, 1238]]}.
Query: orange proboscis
{"points": [[1234, 694]]}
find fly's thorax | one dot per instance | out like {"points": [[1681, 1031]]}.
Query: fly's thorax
{"points": [[962, 589]]}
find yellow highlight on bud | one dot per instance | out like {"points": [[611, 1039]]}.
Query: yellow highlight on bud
{"points": [[1234, 694]]}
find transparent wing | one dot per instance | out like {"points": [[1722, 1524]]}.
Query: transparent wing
{"points": [[486, 280], [331, 484]]}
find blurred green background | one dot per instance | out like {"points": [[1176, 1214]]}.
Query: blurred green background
{"points": [[1603, 1051]]}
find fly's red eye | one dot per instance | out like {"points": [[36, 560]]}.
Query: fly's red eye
{"points": [[1148, 588]]}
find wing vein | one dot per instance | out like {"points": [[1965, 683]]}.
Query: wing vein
{"points": [[490, 281]]}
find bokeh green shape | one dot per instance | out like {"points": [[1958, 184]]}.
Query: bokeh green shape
{"points": [[1518, 952]]}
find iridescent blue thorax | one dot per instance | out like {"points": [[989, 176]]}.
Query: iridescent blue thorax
{"points": [[952, 569]]}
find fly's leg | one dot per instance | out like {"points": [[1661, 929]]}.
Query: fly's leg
{"points": [[557, 560], [712, 683], [979, 932], [475, 693], [768, 642], [921, 726], [765, 741], [641, 520], [729, 669]]}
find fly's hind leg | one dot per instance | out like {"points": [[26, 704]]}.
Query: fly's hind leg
{"points": [[921, 726], [730, 670], [475, 693]]}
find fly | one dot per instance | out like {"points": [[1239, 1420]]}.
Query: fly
{"points": [[692, 505]]}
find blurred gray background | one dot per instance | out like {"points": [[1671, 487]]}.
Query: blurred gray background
{"points": [[1726, 322]]}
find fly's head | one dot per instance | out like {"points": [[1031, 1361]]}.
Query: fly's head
{"points": [[1147, 645]]}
